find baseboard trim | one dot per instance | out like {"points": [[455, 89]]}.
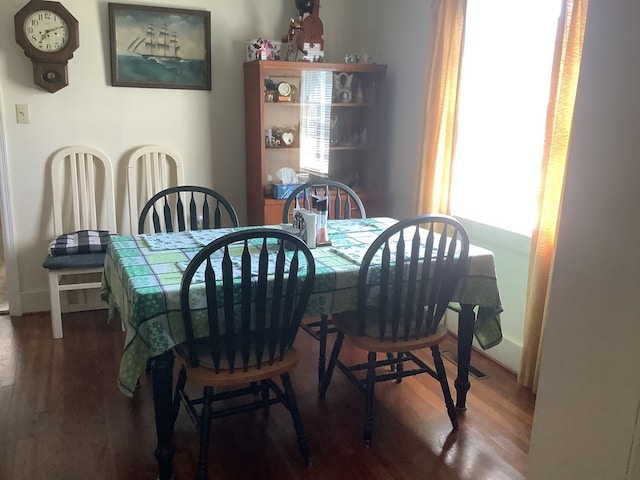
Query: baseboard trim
{"points": [[475, 372], [507, 353], [479, 351], [35, 302]]}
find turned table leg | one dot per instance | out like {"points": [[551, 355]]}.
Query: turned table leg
{"points": [[322, 334], [466, 323], [162, 375]]}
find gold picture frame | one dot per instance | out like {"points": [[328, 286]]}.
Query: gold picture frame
{"points": [[159, 47]]}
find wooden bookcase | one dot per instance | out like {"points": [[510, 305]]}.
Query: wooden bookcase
{"points": [[324, 119]]}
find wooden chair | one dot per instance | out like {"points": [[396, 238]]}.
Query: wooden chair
{"points": [[186, 207], [83, 199], [150, 169], [406, 281], [344, 204], [240, 348]]}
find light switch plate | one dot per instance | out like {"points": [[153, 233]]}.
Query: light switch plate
{"points": [[22, 113]]}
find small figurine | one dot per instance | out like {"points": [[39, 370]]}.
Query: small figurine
{"points": [[312, 30], [290, 38]]}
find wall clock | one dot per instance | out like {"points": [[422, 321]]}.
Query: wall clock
{"points": [[49, 35]]}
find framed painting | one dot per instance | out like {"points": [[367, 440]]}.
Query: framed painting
{"points": [[158, 47]]}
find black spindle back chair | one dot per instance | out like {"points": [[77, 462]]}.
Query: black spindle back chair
{"points": [[407, 279], [186, 207], [344, 202], [242, 298]]}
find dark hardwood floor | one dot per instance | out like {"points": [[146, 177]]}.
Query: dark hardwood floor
{"points": [[63, 417]]}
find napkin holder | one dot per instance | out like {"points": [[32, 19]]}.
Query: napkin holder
{"points": [[305, 223]]}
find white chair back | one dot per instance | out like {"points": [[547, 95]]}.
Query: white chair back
{"points": [[150, 169], [82, 187]]}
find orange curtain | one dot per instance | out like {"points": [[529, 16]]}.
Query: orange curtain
{"points": [[564, 83], [439, 110]]}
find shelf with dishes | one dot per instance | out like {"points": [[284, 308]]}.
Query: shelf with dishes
{"points": [[314, 117]]}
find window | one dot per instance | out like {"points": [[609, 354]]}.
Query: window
{"points": [[315, 121], [504, 92]]}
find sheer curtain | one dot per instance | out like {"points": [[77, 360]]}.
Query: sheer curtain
{"points": [[564, 82], [441, 83], [439, 140]]}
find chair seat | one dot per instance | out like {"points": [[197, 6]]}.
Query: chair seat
{"points": [[82, 260], [347, 323], [205, 375]]}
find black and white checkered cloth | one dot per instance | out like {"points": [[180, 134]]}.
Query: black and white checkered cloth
{"points": [[83, 241]]}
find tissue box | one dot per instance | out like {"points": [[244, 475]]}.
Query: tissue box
{"points": [[262, 49], [280, 191]]}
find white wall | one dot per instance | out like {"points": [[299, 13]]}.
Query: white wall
{"points": [[589, 394]]}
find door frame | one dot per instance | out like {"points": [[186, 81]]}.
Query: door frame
{"points": [[6, 221]]}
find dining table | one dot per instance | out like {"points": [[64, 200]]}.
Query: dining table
{"points": [[141, 284]]}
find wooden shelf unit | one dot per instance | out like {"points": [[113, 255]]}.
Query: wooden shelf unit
{"points": [[348, 136]]}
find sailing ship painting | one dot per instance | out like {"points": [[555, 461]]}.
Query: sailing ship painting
{"points": [[160, 47]]}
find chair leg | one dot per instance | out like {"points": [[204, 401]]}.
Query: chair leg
{"points": [[368, 411], [56, 314], [181, 382], [400, 368], [390, 357], [295, 416], [442, 377], [203, 460], [264, 391], [337, 346]]}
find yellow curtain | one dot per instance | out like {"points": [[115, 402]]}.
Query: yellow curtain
{"points": [[564, 82], [440, 106], [438, 147]]}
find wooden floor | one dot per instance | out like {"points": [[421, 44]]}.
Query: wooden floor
{"points": [[63, 417]]}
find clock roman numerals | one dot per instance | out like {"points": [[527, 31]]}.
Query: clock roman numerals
{"points": [[48, 16], [46, 31]]}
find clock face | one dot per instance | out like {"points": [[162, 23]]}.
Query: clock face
{"points": [[46, 31], [284, 89]]}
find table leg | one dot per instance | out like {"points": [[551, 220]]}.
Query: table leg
{"points": [[162, 375], [322, 334], [466, 323]]}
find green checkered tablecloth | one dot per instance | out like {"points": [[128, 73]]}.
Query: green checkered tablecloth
{"points": [[142, 275]]}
